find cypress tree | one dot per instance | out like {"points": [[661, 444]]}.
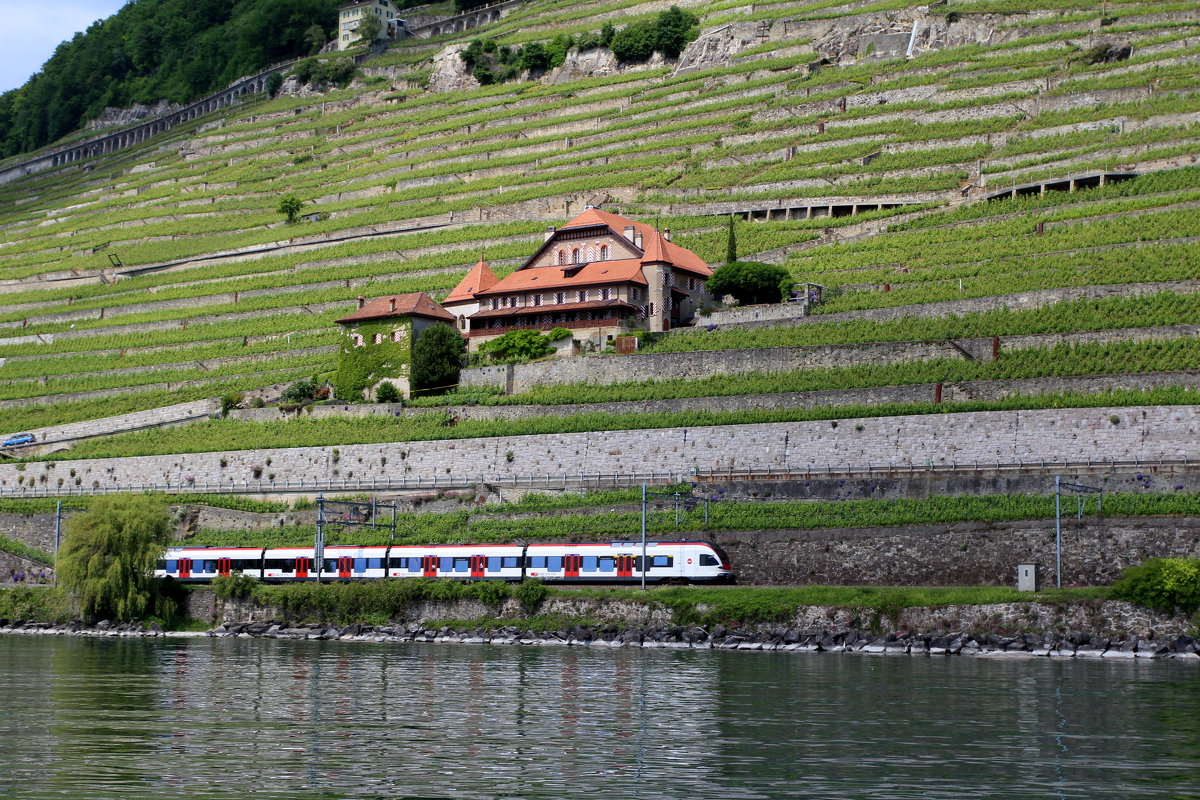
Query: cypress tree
{"points": [[731, 243]]}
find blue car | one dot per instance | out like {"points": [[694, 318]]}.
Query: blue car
{"points": [[20, 438]]}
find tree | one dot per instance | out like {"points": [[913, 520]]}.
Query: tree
{"points": [[107, 559], [634, 43], [674, 31], [273, 83], [750, 281], [314, 37], [731, 243], [437, 357], [606, 34], [299, 392], [523, 345], [369, 28], [388, 393], [290, 205]]}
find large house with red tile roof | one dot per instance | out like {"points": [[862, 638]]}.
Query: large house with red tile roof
{"points": [[379, 339], [599, 275]]}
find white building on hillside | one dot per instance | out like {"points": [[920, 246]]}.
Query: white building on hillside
{"points": [[351, 14]]}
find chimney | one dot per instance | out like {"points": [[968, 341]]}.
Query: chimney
{"points": [[667, 234], [393, 305], [629, 232], [637, 240], [548, 234], [362, 301]]}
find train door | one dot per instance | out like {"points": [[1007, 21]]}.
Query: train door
{"points": [[625, 566], [185, 568], [571, 565], [302, 567], [224, 567], [478, 566], [429, 566], [343, 566]]}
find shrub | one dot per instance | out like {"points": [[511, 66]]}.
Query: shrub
{"points": [[634, 43], [387, 393], [556, 334], [523, 345], [1163, 584], [290, 206], [668, 34], [230, 402], [299, 391], [531, 593], [750, 281]]}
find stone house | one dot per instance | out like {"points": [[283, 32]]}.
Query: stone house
{"points": [[350, 14], [378, 341], [461, 302], [599, 275]]}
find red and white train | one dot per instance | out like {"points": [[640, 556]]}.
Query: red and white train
{"points": [[614, 562]]}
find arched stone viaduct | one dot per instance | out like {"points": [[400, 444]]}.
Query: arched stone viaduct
{"points": [[111, 142], [484, 15]]}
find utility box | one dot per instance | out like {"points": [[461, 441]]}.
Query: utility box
{"points": [[1029, 577]]}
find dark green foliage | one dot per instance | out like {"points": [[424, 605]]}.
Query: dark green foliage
{"points": [[230, 402], [437, 359], [361, 367], [373, 602], [290, 206], [234, 587], [107, 559], [1163, 584], [514, 346], [731, 243], [318, 72], [466, 5], [668, 34], [634, 43], [534, 57], [387, 393], [299, 391], [750, 281], [273, 83], [555, 334], [531, 593], [174, 49]]}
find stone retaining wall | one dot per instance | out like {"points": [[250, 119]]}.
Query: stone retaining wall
{"points": [[1045, 435]]}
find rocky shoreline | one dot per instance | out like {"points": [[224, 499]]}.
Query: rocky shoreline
{"points": [[1047, 644]]}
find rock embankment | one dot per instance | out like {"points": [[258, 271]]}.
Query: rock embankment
{"points": [[719, 637]]}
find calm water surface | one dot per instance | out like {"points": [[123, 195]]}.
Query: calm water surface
{"points": [[203, 718]]}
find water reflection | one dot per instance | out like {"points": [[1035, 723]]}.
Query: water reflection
{"points": [[234, 718]]}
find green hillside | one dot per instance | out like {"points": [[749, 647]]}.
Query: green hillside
{"points": [[788, 114]]}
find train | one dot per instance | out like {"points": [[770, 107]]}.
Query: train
{"points": [[593, 563]]}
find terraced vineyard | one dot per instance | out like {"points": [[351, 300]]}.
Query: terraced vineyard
{"points": [[163, 273]]}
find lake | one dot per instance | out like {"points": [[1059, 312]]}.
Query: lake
{"points": [[232, 718]]}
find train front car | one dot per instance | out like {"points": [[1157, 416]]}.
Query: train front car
{"points": [[621, 562], [202, 564]]}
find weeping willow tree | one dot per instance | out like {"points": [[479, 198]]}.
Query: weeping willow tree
{"points": [[107, 559]]}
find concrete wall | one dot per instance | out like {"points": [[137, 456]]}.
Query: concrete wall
{"points": [[1050, 435]]}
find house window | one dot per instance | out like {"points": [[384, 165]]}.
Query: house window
{"points": [[635, 294], [583, 295], [560, 297], [358, 340], [575, 255], [462, 323], [606, 294], [652, 310], [537, 299], [604, 252], [495, 303], [560, 257]]}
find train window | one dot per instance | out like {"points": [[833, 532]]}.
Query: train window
{"points": [[510, 562], [374, 563], [661, 561], [554, 563], [493, 564], [707, 561], [589, 563], [169, 566], [462, 565], [280, 564], [414, 564], [537, 562], [446, 564], [208, 566], [608, 564], [360, 565], [330, 565]]}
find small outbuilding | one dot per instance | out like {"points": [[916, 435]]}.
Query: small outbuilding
{"points": [[378, 342]]}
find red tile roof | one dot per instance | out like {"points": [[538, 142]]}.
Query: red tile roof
{"points": [[479, 279], [417, 304], [596, 273], [679, 256]]}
